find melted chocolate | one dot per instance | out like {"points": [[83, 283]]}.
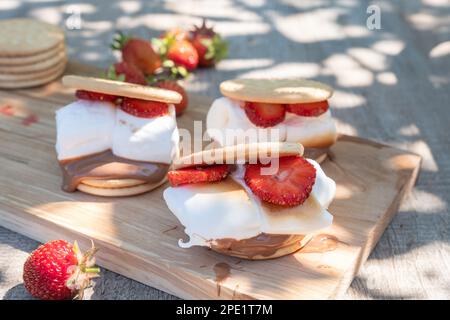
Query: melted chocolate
{"points": [[105, 166], [263, 245], [222, 271]]}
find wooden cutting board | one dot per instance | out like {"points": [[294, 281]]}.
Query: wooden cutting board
{"points": [[138, 236]]}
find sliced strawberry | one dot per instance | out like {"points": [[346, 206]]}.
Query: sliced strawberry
{"points": [[313, 109], [289, 187], [265, 114], [198, 174], [174, 86], [143, 108], [131, 73], [95, 96]]}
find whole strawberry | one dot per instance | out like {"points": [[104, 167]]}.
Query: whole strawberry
{"points": [[210, 46], [174, 86], [122, 71], [58, 270], [137, 52], [183, 53]]}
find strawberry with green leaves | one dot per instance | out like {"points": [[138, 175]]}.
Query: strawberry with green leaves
{"points": [[184, 54], [210, 46], [137, 52], [123, 71], [177, 49], [58, 270]]}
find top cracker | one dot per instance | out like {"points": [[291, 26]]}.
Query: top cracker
{"points": [[276, 90], [241, 153], [123, 89], [24, 37]]}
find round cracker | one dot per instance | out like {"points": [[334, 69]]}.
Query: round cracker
{"points": [[276, 90], [124, 89], [42, 66], [282, 249], [32, 82], [36, 58], [24, 37], [239, 153], [119, 192], [113, 183], [33, 75]]}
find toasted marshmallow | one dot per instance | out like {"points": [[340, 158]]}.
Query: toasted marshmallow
{"points": [[229, 209], [146, 139], [84, 127], [226, 117]]}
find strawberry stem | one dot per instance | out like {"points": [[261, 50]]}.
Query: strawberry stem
{"points": [[92, 270], [84, 271]]}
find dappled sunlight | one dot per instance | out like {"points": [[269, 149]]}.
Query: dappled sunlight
{"points": [[436, 3], [424, 202], [315, 26], [212, 9], [421, 148], [286, 70], [48, 14], [156, 21], [369, 58], [130, 6], [241, 64], [346, 99], [440, 50], [344, 191], [390, 47], [229, 29], [428, 21], [91, 55], [98, 217], [409, 131], [84, 8], [305, 4], [345, 128], [254, 3], [347, 71], [96, 27], [9, 4], [163, 22], [348, 3], [387, 78]]}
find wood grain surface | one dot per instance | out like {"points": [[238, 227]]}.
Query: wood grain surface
{"points": [[392, 85], [138, 236]]}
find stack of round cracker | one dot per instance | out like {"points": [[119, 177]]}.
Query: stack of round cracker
{"points": [[32, 53]]}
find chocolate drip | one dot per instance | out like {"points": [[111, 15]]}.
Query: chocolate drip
{"points": [[263, 245], [105, 165], [222, 271]]}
